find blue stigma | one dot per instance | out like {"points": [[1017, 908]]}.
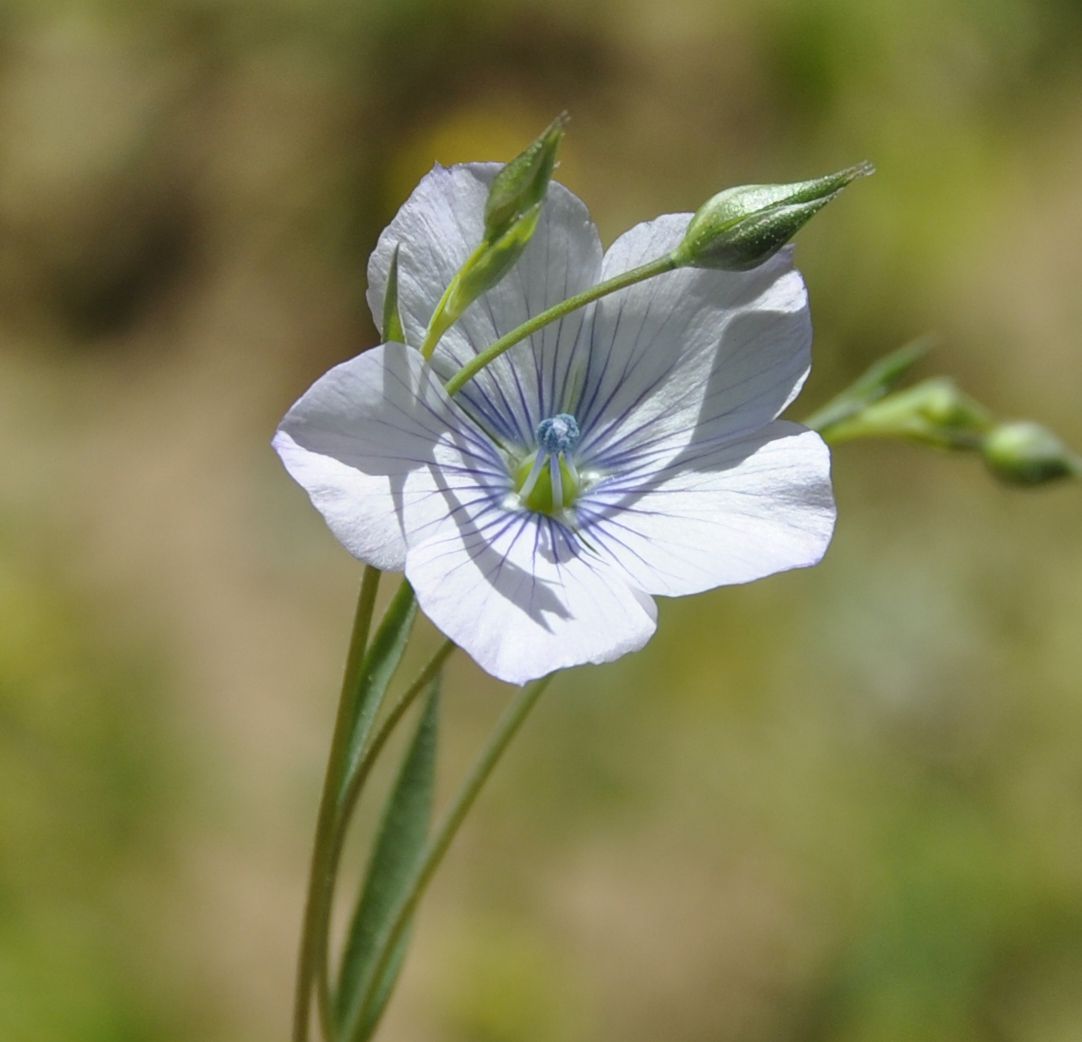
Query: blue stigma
{"points": [[558, 434]]}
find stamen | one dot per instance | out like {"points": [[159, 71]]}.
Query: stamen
{"points": [[557, 483]]}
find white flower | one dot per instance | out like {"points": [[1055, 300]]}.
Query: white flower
{"points": [[629, 450]]}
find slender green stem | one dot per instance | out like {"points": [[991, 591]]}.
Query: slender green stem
{"points": [[552, 314], [309, 947], [506, 728], [440, 322], [348, 800]]}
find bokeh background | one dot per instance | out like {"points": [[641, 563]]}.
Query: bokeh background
{"points": [[835, 806]]}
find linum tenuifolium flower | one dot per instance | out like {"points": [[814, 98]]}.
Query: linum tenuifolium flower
{"points": [[629, 450]]}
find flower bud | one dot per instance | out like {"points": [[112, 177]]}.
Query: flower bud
{"points": [[935, 412], [947, 411], [484, 268], [521, 185], [740, 228], [1024, 453], [512, 211]]}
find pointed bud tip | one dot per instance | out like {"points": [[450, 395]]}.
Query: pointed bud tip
{"points": [[865, 168], [559, 124], [741, 228], [522, 183]]}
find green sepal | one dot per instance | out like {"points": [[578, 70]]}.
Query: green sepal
{"points": [[380, 662], [399, 841], [392, 319], [740, 228]]}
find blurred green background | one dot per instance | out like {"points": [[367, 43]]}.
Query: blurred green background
{"points": [[838, 805]]}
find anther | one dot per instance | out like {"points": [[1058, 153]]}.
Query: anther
{"points": [[558, 434]]}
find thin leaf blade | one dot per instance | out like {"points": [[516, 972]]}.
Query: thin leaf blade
{"points": [[399, 842], [380, 662]]}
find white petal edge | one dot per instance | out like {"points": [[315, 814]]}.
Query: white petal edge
{"points": [[379, 448], [722, 513]]}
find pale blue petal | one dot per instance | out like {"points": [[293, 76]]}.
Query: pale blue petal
{"points": [[721, 511]]}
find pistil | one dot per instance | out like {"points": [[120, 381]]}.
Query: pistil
{"points": [[547, 481]]}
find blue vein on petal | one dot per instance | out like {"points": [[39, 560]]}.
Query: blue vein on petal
{"points": [[594, 417], [487, 452], [644, 452], [595, 410]]}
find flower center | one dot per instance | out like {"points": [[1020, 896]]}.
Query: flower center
{"points": [[547, 481]]}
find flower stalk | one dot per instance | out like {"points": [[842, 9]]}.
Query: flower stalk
{"points": [[317, 879]]}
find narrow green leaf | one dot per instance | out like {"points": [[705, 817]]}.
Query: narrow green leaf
{"points": [[398, 845], [874, 383], [380, 662], [392, 320]]}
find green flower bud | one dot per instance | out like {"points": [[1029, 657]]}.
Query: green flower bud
{"points": [[484, 268], [511, 214], [1025, 453], [935, 412], [948, 411], [521, 185], [740, 228]]}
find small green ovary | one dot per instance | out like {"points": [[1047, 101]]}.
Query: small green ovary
{"points": [[541, 497]]}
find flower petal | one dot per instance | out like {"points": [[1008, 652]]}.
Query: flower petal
{"points": [[436, 230], [379, 447], [721, 512], [688, 344], [522, 595]]}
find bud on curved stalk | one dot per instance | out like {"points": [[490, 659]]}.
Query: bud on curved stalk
{"points": [[521, 185], [740, 228], [1024, 453], [512, 210], [934, 412]]}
